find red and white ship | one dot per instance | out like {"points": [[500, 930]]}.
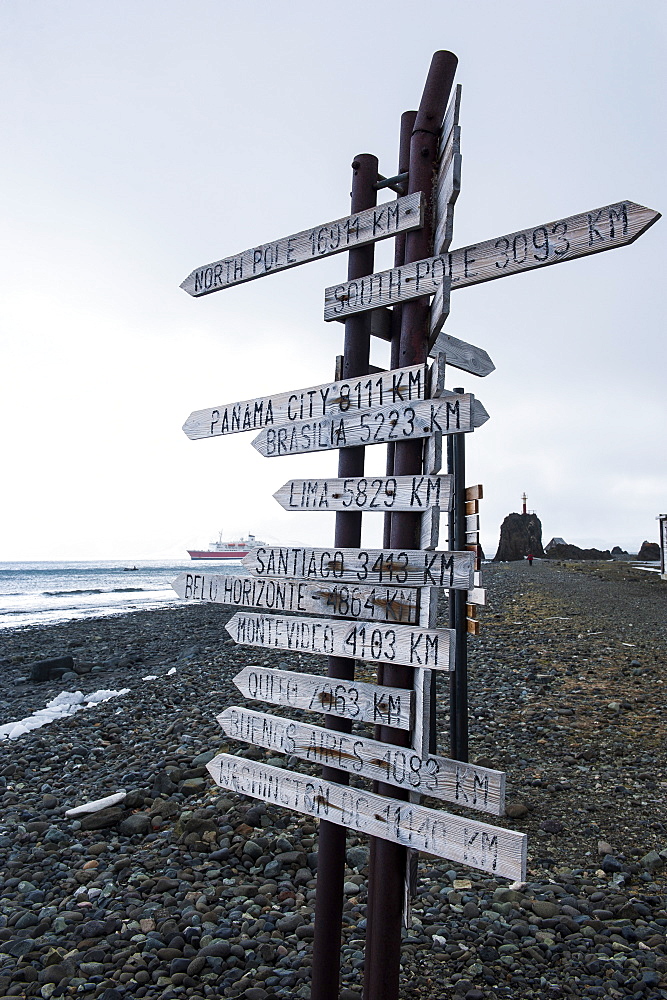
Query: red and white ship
{"points": [[227, 550]]}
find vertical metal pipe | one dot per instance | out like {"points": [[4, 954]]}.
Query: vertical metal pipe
{"points": [[386, 894], [458, 682], [331, 841]]}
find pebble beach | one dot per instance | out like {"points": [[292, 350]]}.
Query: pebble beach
{"points": [[183, 889]]}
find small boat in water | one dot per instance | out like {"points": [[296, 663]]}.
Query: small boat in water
{"points": [[227, 550]]}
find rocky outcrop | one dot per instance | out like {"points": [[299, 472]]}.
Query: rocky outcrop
{"points": [[574, 552], [649, 552], [519, 535]]}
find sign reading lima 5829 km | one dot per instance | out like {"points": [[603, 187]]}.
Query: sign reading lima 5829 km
{"points": [[333, 237], [550, 243]]}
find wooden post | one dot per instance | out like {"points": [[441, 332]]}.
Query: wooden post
{"points": [[331, 848], [386, 886], [458, 684]]}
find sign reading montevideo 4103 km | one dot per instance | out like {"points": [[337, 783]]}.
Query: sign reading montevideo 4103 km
{"points": [[380, 603], [550, 243], [402, 385], [457, 838], [347, 233], [407, 645], [412, 567], [386, 425]]}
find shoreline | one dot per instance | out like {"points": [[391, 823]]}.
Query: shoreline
{"points": [[190, 891]]}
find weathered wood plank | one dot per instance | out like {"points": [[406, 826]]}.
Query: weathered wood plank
{"points": [[447, 192], [472, 507], [449, 121], [550, 243], [356, 700], [439, 311], [472, 627], [429, 531], [472, 522], [409, 645], [475, 493], [409, 567], [453, 414], [378, 493], [450, 780], [338, 600], [478, 845], [373, 224], [466, 357], [403, 385], [432, 460], [476, 595]]}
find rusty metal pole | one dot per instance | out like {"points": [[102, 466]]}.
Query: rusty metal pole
{"points": [[407, 125], [331, 845], [386, 895]]}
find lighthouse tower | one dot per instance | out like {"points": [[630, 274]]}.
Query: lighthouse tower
{"points": [[523, 509]]}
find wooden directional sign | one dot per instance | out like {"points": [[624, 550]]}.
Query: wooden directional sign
{"points": [[403, 385], [401, 422], [550, 243], [352, 231], [339, 600], [380, 493], [453, 781], [448, 182], [467, 357], [356, 700], [457, 838], [404, 644], [411, 567]]}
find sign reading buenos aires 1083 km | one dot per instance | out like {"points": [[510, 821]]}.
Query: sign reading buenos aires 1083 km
{"points": [[333, 237]]}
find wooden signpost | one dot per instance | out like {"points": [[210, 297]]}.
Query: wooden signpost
{"points": [[311, 244], [439, 777], [385, 425], [413, 567], [407, 605], [380, 643], [550, 243], [355, 700], [465, 841], [380, 604], [402, 385], [379, 493]]}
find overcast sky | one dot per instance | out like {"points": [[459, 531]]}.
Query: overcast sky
{"points": [[141, 139]]}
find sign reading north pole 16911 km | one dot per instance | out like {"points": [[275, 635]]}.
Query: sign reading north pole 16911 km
{"points": [[333, 237]]}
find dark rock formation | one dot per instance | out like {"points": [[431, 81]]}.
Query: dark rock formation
{"points": [[617, 551], [649, 552], [519, 535], [574, 552]]}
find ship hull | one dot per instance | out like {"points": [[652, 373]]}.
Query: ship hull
{"points": [[218, 555]]}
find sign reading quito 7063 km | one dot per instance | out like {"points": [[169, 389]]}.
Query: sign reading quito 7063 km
{"points": [[550, 243], [379, 643], [402, 385], [402, 422], [333, 237], [441, 778], [379, 603], [354, 700], [412, 567], [457, 838]]}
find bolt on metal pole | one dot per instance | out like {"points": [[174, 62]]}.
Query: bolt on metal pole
{"points": [[386, 893], [458, 682], [331, 842]]}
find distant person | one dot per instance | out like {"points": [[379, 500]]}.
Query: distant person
{"points": [[529, 557]]}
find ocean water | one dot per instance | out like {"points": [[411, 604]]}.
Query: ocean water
{"points": [[42, 593]]}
